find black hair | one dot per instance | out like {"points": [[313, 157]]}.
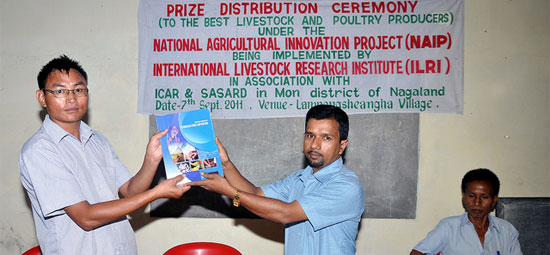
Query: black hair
{"points": [[61, 63], [481, 174], [323, 111]]}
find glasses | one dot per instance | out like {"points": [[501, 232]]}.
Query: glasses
{"points": [[79, 92]]}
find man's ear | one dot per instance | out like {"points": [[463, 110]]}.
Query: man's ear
{"points": [[41, 97], [343, 145], [495, 201]]}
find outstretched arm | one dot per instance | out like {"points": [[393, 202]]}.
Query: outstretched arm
{"points": [[273, 209], [90, 216], [142, 180], [268, 208], [135, 192], [251, 197]]}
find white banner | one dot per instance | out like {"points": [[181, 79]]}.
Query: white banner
{"points": [[263, 59]]}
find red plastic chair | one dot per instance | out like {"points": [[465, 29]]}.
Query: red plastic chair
{"points": [[33, 251], [202, 248]]}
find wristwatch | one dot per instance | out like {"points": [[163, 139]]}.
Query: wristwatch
{"points": [[236, 200]]}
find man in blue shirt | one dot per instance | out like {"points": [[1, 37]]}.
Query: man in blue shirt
{"points": [[474, 232], [73, 176], [321, 205]]}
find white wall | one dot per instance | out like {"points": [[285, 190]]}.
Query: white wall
{"points": [[505, 126]]}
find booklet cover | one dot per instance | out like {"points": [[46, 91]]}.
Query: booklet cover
{"points": [[189, 147]]}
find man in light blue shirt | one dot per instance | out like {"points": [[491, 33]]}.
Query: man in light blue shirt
{"points": [[474, 232], [330, 199], [321, 205], [73, 177]]}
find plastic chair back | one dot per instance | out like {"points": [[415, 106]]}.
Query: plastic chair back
{"points": [[33, 251], [202, 248]]}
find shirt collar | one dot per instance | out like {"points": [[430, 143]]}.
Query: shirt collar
{"points": [[324, 174], [465, 220], [58, 133]]}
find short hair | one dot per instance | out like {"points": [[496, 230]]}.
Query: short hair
{"points": [[481, 174], [323, 111], [61, 63]]}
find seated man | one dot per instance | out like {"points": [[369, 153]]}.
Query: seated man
{"points": [[475, 231]]}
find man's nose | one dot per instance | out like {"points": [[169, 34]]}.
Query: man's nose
{"points": [[71, 95], [477, 200], [316, 143]]}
